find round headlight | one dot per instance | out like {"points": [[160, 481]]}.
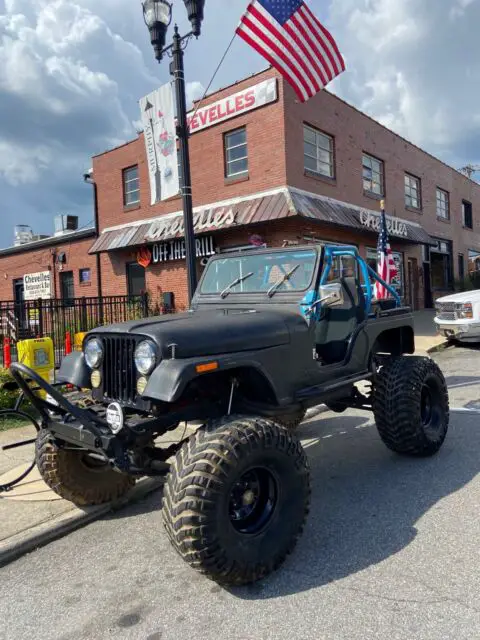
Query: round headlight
{"points": [[93, 353], [145, 358]]}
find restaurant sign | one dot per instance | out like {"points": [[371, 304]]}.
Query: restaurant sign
{"points": [[252, 98], [37, 285], [395, 227], [207, 220], [175, 249]]}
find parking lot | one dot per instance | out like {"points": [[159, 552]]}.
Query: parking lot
{"points": [[390, 551]]}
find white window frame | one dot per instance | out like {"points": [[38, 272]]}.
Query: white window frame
{"points": [[323, 142], [227, 148], [127, 182], [377, 174], [443, 204], [413, 191]]}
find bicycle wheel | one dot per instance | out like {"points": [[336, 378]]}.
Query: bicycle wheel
{"points": [[18, 433]]}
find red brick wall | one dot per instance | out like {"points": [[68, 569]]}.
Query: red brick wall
{"points": [[265, 135], [355, 133], [13, 267]]}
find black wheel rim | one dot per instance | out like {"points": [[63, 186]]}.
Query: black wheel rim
{"points": [[252, 501], [430, 407]]}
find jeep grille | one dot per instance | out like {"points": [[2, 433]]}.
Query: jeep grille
{"points": [[119, 374]]}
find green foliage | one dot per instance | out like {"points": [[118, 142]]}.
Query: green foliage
{"points": [[7, 398]]}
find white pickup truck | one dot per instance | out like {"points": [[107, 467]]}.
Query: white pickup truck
{"points": [[458, 316]]}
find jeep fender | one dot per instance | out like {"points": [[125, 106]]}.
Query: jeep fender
{"points": [[74, 370], [169, 380]]}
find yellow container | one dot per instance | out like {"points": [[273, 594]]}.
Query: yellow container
{"points": [[38, 354], [77, 344]]}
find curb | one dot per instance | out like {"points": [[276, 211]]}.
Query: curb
{"points": [[42, 534], [439, 347]]}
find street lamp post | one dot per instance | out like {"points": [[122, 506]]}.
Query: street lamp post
{"points": [[158, 15]]}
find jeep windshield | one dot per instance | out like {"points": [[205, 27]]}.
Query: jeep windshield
{"points": [[260, 273]]}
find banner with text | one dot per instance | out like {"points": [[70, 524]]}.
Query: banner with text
{"points": [[37, 285], [158, 120]]}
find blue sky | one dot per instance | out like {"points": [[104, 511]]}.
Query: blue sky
{"points": [[71, 73]]}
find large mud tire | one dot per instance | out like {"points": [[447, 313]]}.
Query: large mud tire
{"points": [[236, 499], [411, 407], [77, 478]]}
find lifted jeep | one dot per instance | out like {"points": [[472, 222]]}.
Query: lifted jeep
{"points": [[269, 334]]}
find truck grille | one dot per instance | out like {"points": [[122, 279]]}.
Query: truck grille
{"points": [[119, 375], [446, 311]]}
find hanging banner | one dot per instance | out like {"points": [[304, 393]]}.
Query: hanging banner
{"points": [[158, 120]]}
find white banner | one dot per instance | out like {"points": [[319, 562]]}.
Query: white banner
{"points": [[158, 120], [252, 98], [37, 285]]}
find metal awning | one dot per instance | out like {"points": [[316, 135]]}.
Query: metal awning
{"points": [[266, 207]]}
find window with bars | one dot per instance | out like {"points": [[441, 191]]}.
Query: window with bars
{"points": [[443, 205], [413, 196], [236, 153], [131, 186], [318, 152], [373, 175]]}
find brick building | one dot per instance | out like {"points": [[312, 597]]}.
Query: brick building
{"points": [[268, 170]]}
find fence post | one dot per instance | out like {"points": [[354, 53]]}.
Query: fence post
{"points": [[40, 317], [84, 321], [145, 304]]}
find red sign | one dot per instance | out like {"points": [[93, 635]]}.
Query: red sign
{"points": [[241, 102]]}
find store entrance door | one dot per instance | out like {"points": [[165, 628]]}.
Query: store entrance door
{"points": [[413, 283], [427, 285]]}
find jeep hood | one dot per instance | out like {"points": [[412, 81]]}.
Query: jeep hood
{"points": [[204, 333]]}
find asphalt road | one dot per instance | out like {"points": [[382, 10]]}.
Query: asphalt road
{"points": [[390, 552]]}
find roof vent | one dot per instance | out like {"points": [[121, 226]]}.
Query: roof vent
{"points": [[65, 224]]}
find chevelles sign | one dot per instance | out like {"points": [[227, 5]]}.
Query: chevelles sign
{"points": [[395, 227], [205, 220]]}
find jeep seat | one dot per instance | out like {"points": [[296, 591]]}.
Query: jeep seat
{"points": [[338, 323]]}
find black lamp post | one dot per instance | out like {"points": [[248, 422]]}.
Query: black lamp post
{"points": [[158, 16]]}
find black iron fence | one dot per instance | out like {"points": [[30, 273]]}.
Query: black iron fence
{"points": [[55, 318]]}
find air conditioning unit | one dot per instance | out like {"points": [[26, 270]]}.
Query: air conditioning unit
{"points": [[65, 224]]}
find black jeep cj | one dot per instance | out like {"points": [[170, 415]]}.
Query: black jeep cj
{"points": [[269, 334]]}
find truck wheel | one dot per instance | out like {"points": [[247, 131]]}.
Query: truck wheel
{"points": [[411, 407], [236, 499], [78, 477], [290, 420]]}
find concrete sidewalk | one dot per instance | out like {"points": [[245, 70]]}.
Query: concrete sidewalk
{"points": [[426, 336], [32, 515]]}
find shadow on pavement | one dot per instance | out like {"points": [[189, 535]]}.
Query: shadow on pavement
{"points": [[366, 502]]}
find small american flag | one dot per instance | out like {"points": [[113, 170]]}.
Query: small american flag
{"points": [[292, 39], [386, 267]]}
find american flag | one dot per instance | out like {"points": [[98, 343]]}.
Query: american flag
{"points": [[292, 39], [386, 267]]}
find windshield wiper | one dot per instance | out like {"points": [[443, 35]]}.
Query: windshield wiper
{"points": [[283, 279], [238, 280]]}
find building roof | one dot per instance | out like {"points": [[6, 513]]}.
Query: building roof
{"points": [[51, 241], [268, 206]]}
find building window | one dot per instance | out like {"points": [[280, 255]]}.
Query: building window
{"points": [[318, 152], [441, 266], [373, 175], [461, 267], [85, 276], [236, 153], [467, 214], [131, 186], [413, 198], [136, 285], [443, 204], [67, 286], [397, 281], [473, 262]]}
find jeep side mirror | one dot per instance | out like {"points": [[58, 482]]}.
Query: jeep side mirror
{"points": [[331, 295]]}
